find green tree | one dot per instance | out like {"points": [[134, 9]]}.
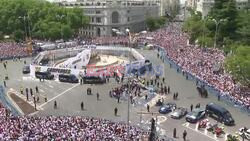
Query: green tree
{"points": [[155, 23], [18, 35], [225, 9], [39, 18], [244, 27], [238, 65]]}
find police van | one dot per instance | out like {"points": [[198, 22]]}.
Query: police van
{"points": [[219, 113]]}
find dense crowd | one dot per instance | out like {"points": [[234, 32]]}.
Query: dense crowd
{"points": [[64, 128], [11, 50], [199, 62]]}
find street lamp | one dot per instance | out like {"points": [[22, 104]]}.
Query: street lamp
{"points": [[204, 26], [24, 23], [217, 23], [129, 88]]}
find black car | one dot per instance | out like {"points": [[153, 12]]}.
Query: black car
{"points": [[219, 113], [26, 69], [68, 78], [167, 108], [195, 115], [93, 79], [44, 75]]}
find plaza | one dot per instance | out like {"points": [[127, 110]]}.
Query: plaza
{"points": [[69, 97]]}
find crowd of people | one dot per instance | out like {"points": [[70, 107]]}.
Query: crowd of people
{"points": [[200, 62], [64, 128], [12, 50]]}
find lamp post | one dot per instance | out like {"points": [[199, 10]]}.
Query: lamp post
{"points": [[128, 33], [129, 81], [217, 23], [204, 26], [24, 23]]}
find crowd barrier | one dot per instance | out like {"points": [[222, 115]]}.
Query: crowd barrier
{"points": [[224, 97], [6, 102]]}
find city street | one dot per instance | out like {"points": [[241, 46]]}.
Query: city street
{"points": [[69, 96]]}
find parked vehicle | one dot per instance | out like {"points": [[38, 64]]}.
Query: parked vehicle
{"points": [[195, 115], [93, 79], [44, 75], [68, 78], [167, 108], [179, 113], [219, 113]]}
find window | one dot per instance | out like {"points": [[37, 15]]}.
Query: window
{"points": [[115, 17], [98, 20], [128, 11], [98, 12], [128, 19], [92, 19]]}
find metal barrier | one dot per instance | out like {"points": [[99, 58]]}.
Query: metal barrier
{"points": [[226, 98], [6, 102]]}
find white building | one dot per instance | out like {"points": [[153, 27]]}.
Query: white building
{"points": [[170, 7], [106, 15]]}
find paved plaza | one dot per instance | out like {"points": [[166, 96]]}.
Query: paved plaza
{"points": [[69, 97]]}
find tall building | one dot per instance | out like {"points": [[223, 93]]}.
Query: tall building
{"points": [[170, 7], [106, 15]]}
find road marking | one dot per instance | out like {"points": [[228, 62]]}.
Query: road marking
{"points": [[41, 90], [186, 124], [58, 95], [161, 119], [213, 138], [196, 126]]}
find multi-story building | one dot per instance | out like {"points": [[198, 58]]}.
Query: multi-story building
{"points": [[106, 15], [169, 7]]}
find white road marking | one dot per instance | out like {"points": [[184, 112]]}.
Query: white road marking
{"points": [[213, 138], [58, 95], [187, 126], [161, 119], [41, 90], [196, 126]]}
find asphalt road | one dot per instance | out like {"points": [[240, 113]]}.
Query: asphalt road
{"points": [[69, 97]]}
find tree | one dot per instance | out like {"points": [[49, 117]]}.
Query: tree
{"points": [[244, 27], [39, 18], [225, 9], [18, 35], [155, 23], [238, 65]]}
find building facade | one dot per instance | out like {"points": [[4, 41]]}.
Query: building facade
{"points": [[106, 15], [170, 7]]}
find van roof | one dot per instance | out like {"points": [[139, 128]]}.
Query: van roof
{"points": [[218, 107]]}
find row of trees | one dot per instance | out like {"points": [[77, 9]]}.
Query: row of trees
{"points": [[39, 19], [230, 29]]}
